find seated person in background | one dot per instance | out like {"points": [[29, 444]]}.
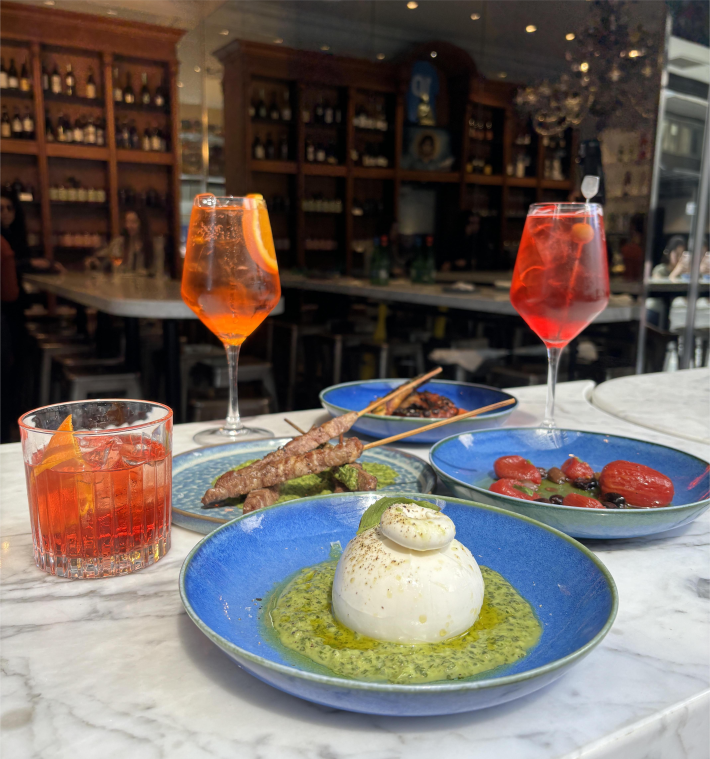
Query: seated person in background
{"points": [[684, 264], [14, 232], [632, 253], [671, 255], [133, 251]]}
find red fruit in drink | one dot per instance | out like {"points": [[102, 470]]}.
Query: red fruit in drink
{"points": [[582, 501], [582, 233], [513, 488], [517, 468], [576, 469], [639, 484]]}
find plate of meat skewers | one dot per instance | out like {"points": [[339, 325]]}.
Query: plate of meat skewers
{"points": [[216, 484], [390, 406]]}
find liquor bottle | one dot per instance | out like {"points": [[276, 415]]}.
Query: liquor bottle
{"points": [[306, 114], [252, 107], [380, 262], [145, 92], [328, 114], [3, 75], [17, 125], [117, 91], [28, 126], [101, 132], [319, 111], [330, 156], [90, 131], [257, 149], [145, 142], [78, 134], [128, 95], [45, 77], [24, 78], [13, 81], [261, 106], [61, 132], [90, 85], [286, 108], [49, 134], [270, 148], [320, 153], [274, 113], [125, 135], [5, 125], [135, 139], [159, 98], [283, 149], [55, 82], [69, 82], [156, 139]]}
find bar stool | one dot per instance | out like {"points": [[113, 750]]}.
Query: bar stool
{"points": [[51, 348], [97, 382]]}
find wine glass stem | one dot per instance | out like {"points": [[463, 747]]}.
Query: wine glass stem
{"points": [[553, 360], [233, 420]]}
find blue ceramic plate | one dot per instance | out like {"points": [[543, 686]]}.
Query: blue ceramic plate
{"points": [[195, 471], [228, 574], [354, 396], [465, 464]]}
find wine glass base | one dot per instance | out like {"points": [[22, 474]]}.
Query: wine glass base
{"points": [[223, 435]]}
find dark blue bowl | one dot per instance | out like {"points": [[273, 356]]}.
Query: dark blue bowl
{"points": [[465, 464], [569, 588], [354, 396]]}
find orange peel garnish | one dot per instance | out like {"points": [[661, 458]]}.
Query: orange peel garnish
{"points": [[258, 237]]}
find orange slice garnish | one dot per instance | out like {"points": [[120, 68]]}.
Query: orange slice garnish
{"points": [[258, 237], [62, 448]]}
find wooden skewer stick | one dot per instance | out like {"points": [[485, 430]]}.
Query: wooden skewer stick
{"points": [[401, 390], [295, 426], [440, 423]]}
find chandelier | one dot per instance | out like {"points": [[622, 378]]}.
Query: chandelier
{"points": [[611, 65]]}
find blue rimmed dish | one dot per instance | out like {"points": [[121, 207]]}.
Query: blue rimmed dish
{"points": [[195, 471], [465, 463], [355, 396], [230, 572]]}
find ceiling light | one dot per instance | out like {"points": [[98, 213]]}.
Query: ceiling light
{"points": [[502, 75], [278, 40], [530, 28], [569, 37], [412, 5], [112, 12], [197, 69], [433, 54], [584, 66], [380, 56], [180, 84], [325, 48], [224, 32], [634, 53], [475, 16]]}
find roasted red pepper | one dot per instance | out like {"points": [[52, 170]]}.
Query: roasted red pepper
{"points": [[576, 469], [582, 501], [513, 488], [517, 468], [639, 484]]}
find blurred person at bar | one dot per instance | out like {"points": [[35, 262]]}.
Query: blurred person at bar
{"points": [[682, 268], [671, 256], [133, 249], [14, 232]]}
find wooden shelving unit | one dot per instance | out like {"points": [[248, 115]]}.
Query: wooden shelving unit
{"points": [[47, 35], [310, 79]]}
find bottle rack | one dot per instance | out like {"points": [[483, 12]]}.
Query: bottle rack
{"points": [[52, 40], [371, 100]]}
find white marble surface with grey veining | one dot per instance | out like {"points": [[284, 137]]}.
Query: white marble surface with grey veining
{"points": [[114, 667], [661, 402]]}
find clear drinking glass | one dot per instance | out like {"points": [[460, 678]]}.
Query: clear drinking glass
{"points": [[99, 479], [231, 281], [561, 278]]}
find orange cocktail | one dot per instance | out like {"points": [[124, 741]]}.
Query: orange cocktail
{"points": [[231, 281]]}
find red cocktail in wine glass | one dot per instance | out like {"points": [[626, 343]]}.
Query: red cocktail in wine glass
{"points": [[561, 277]]}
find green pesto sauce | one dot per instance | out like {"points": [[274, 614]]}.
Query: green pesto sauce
{"points": [[319, 484], [300, 616]]}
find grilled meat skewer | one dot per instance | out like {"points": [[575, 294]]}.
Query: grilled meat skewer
{"points": [[260, 499]]}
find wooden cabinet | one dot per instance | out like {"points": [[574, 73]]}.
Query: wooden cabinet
{"points": [[50, 39]]}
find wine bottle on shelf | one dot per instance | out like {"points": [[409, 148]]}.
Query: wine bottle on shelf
{"points": [[69, 82], [252, 107], [100, 132], [49, 134], [135, 140], [90, 85], [13, 81], [17, 125], [320, 153], [159, 98], [45, 77], [328, 115], [319, 111], [261, 106], [306, 114], [274, 113], [28, 125], [78, 130], [3, 75], [55, 81], [117, 91], [129, 96], [257, 149], [60, 133], [90, 131], [270, 148], [5, 125], [330, 156], [145, 92], [286, 108], [310, 151], [156, 139], [145, 142], [24, 78], [283, 149]]}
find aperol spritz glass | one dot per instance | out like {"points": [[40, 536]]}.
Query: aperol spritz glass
{"points": [[231, 281], [561, 278]]}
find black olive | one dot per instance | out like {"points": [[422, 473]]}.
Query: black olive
{"points": [[556, 499], [616, 498], [593, 483], [583, 484], [540, 499], [543, 472]]}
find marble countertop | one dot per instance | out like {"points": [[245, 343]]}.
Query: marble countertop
{"points": [[483, 300], [671, 402], [115, 668]]}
